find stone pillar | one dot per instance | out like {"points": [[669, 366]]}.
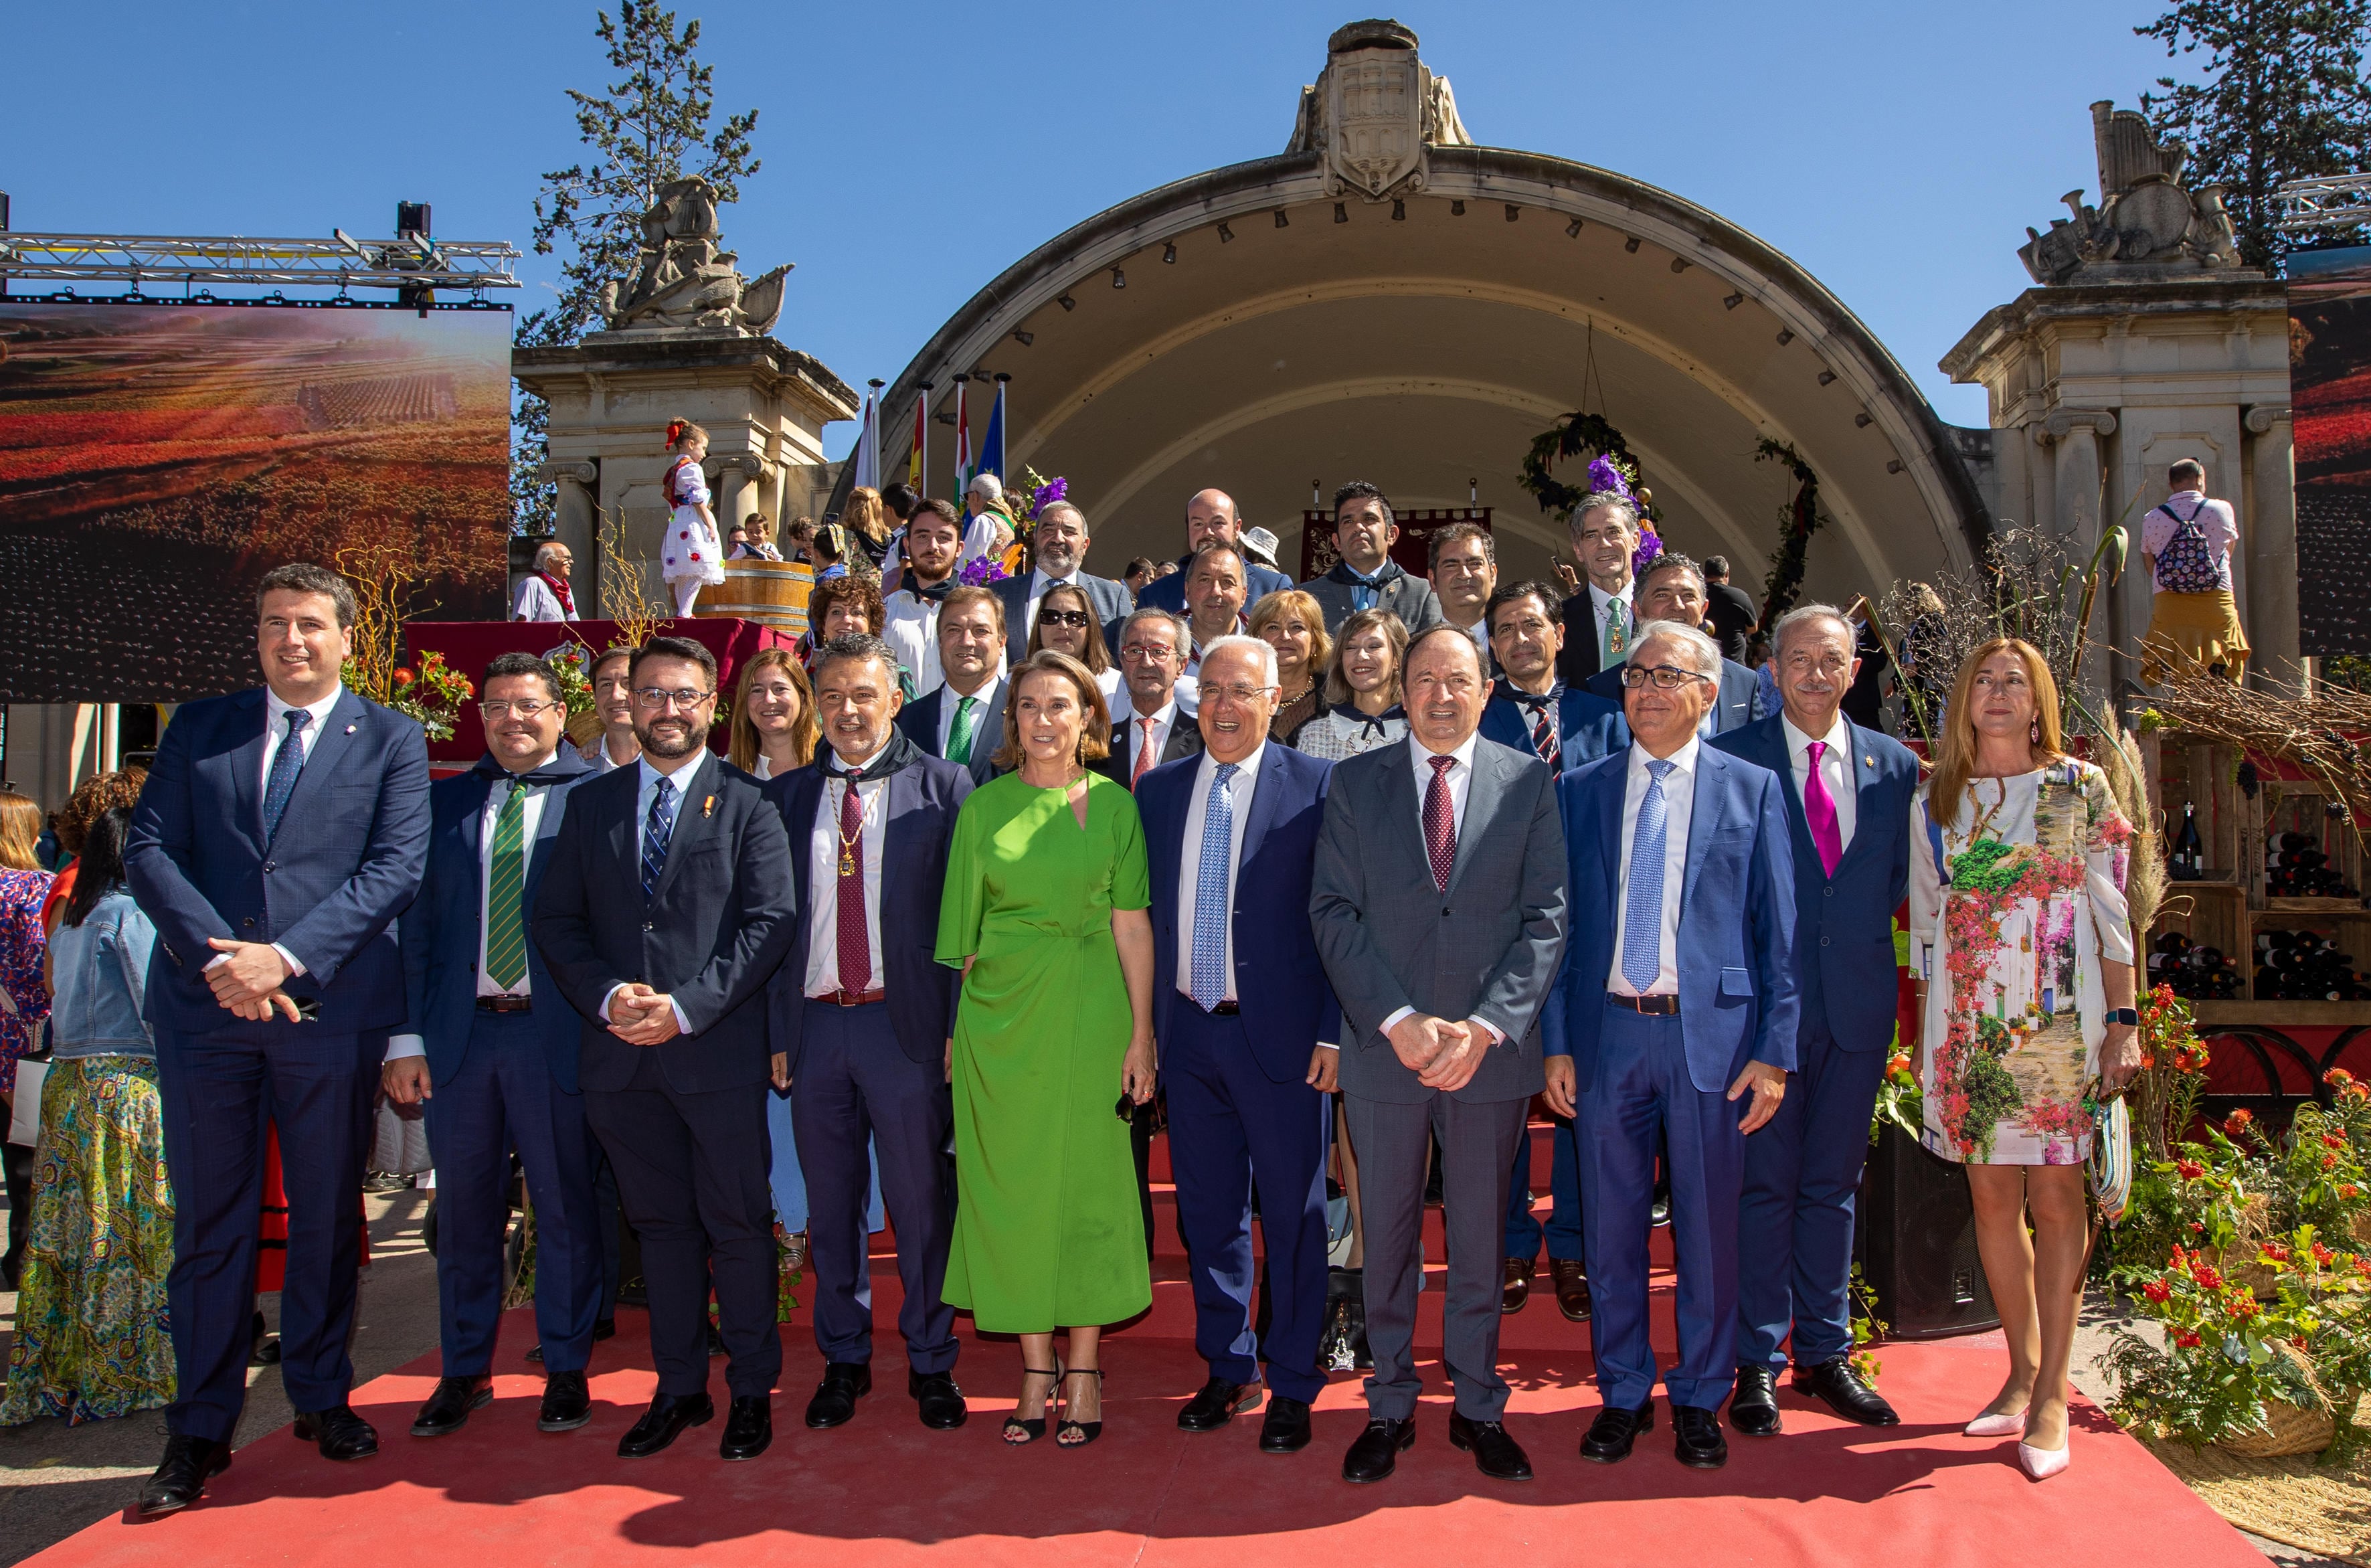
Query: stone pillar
{"points": [[54, 746], [2269, 539], [573, 526], [2078, 467]]}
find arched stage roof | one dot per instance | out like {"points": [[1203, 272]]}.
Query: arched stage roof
{"points": [[1423, 348]]}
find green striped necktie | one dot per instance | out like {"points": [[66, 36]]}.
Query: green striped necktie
{"points": [[505, 880]]}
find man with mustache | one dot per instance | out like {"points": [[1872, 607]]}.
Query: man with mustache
{"points": [[667, 907], [1061, 537]]}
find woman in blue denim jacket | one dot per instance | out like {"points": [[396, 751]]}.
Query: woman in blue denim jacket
{"points": [[92, 1335]]}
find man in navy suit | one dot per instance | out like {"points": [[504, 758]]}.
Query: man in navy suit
{"points": [[1677, 999], [1671, 588], [279, 835], [666, 909], [861, 1020], [1211, 518], [1847, 791], [1249, 1030], [962, 719], [490, 1048], [1059, 537]]}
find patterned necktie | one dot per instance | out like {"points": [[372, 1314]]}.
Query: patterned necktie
{"points": [[1642, 919], [656, 830], [1440, 823], [1820, 812], [959, 733], [855, 936], [505, 879], [1143, 753], [1544, 739], [1365, 592], [1617, 633], [286, 764], [1209, 962]]}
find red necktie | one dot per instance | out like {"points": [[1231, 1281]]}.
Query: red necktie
{"points": [[855, 943], [1440, 823], [1143, 753]]}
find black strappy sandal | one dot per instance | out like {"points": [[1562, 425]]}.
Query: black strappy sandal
{"points": [[1088, 1431], [1032, 1430]]}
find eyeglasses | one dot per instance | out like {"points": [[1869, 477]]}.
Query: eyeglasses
{"points": [[498, 710], [659, 697], [1137, 653], [1210, 692], [1062, 618], [1666, 678]]}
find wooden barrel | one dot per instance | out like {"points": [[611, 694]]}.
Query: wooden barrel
{"points": [[771, 593]]}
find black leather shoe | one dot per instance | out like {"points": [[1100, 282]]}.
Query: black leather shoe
{"points": [[1218, 1403], [844, 1383], [1284, 1428], [1611, 1434], [941, 1402], [1378, 1449], [1696, 1439], [1754, 1409], [663, 1422], [1495, 1454], [448, 1408], [716, 1345], [341, 1434], [1570, 1277], [567, 1403], [749, 1428], [1837, 1385], [181, 1479], [1516, 1288]]}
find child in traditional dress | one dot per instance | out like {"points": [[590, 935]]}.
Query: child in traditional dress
{"points": [[692, 556]]}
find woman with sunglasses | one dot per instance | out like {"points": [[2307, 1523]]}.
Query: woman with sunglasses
{"points": [[1066, 623]]}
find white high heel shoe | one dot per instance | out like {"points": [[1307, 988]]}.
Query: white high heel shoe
{"points": [[1997, 1426], [2043, 1463]]}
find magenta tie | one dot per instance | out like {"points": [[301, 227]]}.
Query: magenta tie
{"points": [[1820, 812]]}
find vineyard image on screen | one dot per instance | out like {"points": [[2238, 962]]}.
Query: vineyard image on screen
{"points": [[155, 460]]}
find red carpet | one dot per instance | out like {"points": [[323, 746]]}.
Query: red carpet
{"points": [[884, 1492]]}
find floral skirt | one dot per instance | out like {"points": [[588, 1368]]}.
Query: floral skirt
{"points": [[93, 1339]]}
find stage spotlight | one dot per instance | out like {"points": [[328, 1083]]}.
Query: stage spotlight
{"points": [[1119, 278], [1225, 233], [1679, 263], [1893, 464], [1341, 213], [1399, 210], [1786, 336], [1025, 338], [1513, 211], [1281, 221], [1067, 302], [1572, 229], [1826, 376], [1169, 253], [1631, 245], [1457, 209], [1733, 301], [1863, 420]]}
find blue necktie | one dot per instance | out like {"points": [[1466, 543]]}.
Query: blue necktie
{"points": [[1209, 962], [286, 764], [1642, 916], [656, 831], [1365, 592]]}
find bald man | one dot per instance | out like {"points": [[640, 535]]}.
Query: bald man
{"points": [[1211, 518]]}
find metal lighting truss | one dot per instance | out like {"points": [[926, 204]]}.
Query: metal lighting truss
{"points": [[411, 262], [2330, 202]]}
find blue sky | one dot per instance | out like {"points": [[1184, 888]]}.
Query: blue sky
{"points": [[913, 150]]}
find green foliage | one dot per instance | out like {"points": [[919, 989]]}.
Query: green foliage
{"points": [[2280, 96], [1797, 519]]}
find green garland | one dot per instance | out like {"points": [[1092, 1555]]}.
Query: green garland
{"points": [[1796, 521], [1575, 435]]}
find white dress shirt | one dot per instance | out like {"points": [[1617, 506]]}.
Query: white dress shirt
{"points": [[1155, 740], [823, 875], [1189, 870], [986, 697], [1460, 778], [275, 730], [1836, 771], [686, 783], [910, 626], [1679, 800], [598, 755], [530, 819]]}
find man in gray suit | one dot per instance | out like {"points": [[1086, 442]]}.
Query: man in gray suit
{"points": [[1672, 587], [1366, 578], [1440, 1033], [1059, 537]]}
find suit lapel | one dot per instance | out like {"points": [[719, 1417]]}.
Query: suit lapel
{"points": [[807, 800], [1402, 810], [328, 749], [1264, 794], [1704, 808], [692, 824], [1862, 765], [247, 764], [625, 831], [1610, 784], [1481, 795]]}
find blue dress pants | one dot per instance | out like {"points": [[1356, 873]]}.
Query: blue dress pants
{"points": [[1563, 1229]]}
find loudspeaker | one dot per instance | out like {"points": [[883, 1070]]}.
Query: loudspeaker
{"points": [[1914, 1238]]}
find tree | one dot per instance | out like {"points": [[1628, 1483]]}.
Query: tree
{"points": [[2281, 97], [650, 127]]}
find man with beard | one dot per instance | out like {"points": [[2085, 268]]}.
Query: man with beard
{"points": [[1061, 537], [675, 1060], [909, 620]]}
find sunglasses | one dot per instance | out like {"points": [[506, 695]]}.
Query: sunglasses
{"points": [[1063, 617]]}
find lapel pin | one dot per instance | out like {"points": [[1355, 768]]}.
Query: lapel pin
{"points": [[1868, 761], [351, 727], [708, 808]]}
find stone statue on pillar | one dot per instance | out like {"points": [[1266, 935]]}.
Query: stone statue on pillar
{"points": [[2146, 224], [682, 282]]}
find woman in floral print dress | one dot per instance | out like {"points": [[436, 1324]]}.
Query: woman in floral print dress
{"points": [[2023, 948]]}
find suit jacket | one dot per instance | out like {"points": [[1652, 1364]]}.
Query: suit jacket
{"points": [[1185, 740], [710, 938], [440, 932], [1736, 706], [1580, 657], [1486, 947], [919, 720], [328, 886], [1846, 922], [1737, 959], [1109, 602], [1169, 593], [1587, 726], [1288, 1007], [918, 823], [1403, 592]]}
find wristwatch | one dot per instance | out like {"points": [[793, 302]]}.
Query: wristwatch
{"points": [[2123, 1015]]}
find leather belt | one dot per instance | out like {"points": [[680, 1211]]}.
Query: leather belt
{"points": [[505, 1004], [849, 998], [1662, 1006], [1224, 1009]]}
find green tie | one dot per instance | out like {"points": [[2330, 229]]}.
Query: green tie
{"points": [[1617, 635], [959, 733], [505, 921]]}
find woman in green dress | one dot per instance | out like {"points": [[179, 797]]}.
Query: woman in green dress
{"points": [[1045, 911]]}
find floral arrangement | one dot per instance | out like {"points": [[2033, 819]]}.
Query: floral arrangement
{"points": [[981, 570], [1042, 492], [430, 691]]}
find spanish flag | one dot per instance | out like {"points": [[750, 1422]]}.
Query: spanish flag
{"points": [[913, 462]]}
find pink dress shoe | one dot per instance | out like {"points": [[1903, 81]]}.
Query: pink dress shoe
{"points": [[1997, 1425], [2043, 1463]]}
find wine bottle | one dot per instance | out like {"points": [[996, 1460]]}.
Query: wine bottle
{"points": [[2186, 860]]}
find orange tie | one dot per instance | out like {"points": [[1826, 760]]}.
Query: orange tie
{"points": [[1143, 753]]}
